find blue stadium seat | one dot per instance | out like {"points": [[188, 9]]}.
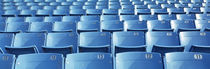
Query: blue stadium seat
{"points": [[27, 13], [139, 60], [112, 25], [142, 11], [141, 7], [5, 40], [110, 11], [195, 41], [64, 27], [114, 6], [88, 26], [183, 25], [166, 5], [154, 6], [163, 42], [157, 25], [128, 17], [126, 12], [25, 43], [53, 19], [73, 7], [61, 12], [2, 27], [11, 12], [186, 60], [67, 3], [89, 18], [44, 12], [89, 61], [63, 7], [95, 42], [49, 7], [17, 27], [41, 27], [195, 5], [15, 19], [167, 17], [77, 12], [203, 25], [185, 16], [128, 41], [159, 11], [192, 10], [36, 7], [148, 17], [176, 10], [40, 61], [179, 5], [71, 18], [109, 17], [127, 5], [202, 16], [23, 8], [135, 25], [64, 43], [7, 61], [34, 19], [78, 3], [93, 12], [89, 7]]}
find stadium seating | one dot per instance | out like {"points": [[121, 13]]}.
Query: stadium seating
{"points": [[7, 61]]}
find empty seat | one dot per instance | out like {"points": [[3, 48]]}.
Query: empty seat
{"points": [[192, 10], [128, 41], [147, 17], [25, 43], [109, 17], [167, 17], [176, 10], [88, 26], [40, 61], [89, 61], [128, 17], [185, 16], [41, 27], [64, 27], [11, 12], [77, 12], [64, 43], [95, 42], [135, 25], [7, 61], [53, 19], [112, 25], [163, 42], [93, 12], [2, 26], [44, 12], [156, 25], [203, 25], [139, 60], [187, 60], [27, 13], [126, 12], [71, 18], [183, 25], [17, 27], [202, 16], [89, 18], [6, 39], [195, 41], [61, 12], [142, 11], [15, 19], [110, 11], [159, 11]]}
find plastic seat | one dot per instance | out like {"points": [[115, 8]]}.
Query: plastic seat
{"points": [[53, 19], [93, 12], [64, 27], [49, 7], [147, 17], [195, 5], [110, 11], [142, 11], [89, 60], [176, 10], [40, 61], [126, 12], [167, 17], [25, 43], [41, 27], [34, 19], [78, 3], [11, 12], [77, 12], [205, 10], [5, 40], [36, 7], [95, 42], [17, 27], [15, 19], [109, 17], [127, 6], [154, 6], [89, 7], [159, 11], [27, 13], [113, 6], [89, 18], [195, 41], [135, 25], [88, 26], [179, 5], [2, 27], [163, 42], [60, 12], [73, 7], [63, 7], [187, 60], [202, 16], [185, 16], [128, 41], [23, 8], [67, 3], [156, 25], [64, 43], [166, 5], [7, 61], [44, 12], [192, 10], [128, 17], [203, 25], [71, 18], [183, 25], [101, 7], [112, 25], [139, 60]]}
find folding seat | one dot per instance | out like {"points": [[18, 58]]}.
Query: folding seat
{"points": [[9, 7], [109, 17], [40, 61], [114, 6], [93, 12], [95, 42], [163, 42], [55, 4], [63, 43], [195, 5], [89, 7], [202, 16], [185, 16], [141, 7], [34, 19], [44, 4], [37, 7], [20, 4], [110, 12], [126, 12], [147, 2], [139, 60], [167, 17], [60, 0], [184, 1], [11, 12], [53, 19], [187, 60], [5, 40], [27, 13], [128, 17], [159, 11], [89, 61], [167, 6], [62, 7], [60, 12], [71, 0], [32, 4], [102, 3], [79, 3], [172, 1], [77, 12], [67, 3], [44, 12], [148, 17], [161, 2], [114, 3], [2, 26], [142, 11], [64, 27], [179, 5], [15, 19], [154, 6], [76, 7], [195, 41], [7, 61], [90, 3], [192, 10], [126, 2], [88, 26], [25, 43], [101, 7], [17, 27], [50, 0], [49, 7], [135, 25], [205, 10], [89, 18], [39, 0], [41, 27], [203, 25], [127, 6], [183, 25], [206, 1], [128, 41], [71, 18], [176, 10], [157, 25], [23, 7], [112, 25]]}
